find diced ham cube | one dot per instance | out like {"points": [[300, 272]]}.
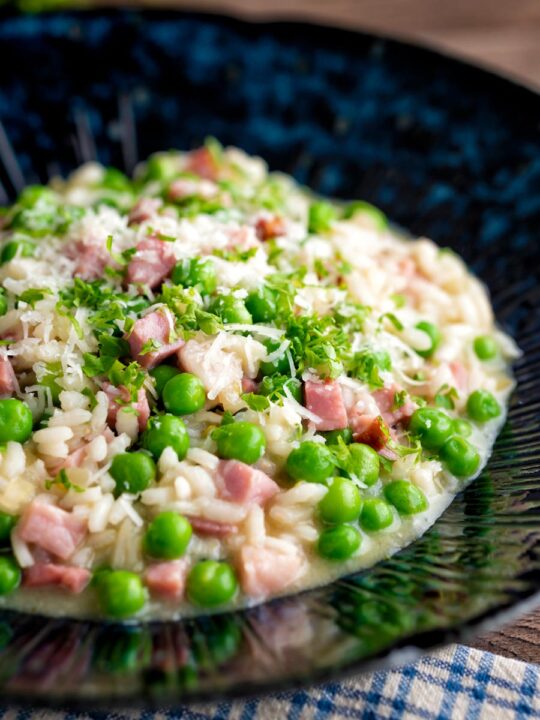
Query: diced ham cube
{"points": [[158, 326], [270, 227], [265, 571], [370, 431], [461, 375], [51, 528], [167, 579], [141, 406], [8, 380], [325, 400], [91, 260], [241, 483], [144, 209], [249, 385], [201, 162], [211, 528], [74, 459], [74, 579], [385, 401], [241, 238], [151, 264]]}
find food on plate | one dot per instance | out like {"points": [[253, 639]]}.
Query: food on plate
{"points": [[217, 388]]}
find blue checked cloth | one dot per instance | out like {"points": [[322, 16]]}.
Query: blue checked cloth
{"points": [[454, 683]]}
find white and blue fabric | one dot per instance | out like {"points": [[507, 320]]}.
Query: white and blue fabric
{"points": [[455, 683]]}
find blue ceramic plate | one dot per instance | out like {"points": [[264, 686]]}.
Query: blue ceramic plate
{"points": [[447, 150]]}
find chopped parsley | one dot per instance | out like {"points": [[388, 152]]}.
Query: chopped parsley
{"points": [[256, 402], [367, 366], [63, 480]]}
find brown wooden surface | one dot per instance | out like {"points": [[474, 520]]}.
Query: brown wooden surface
{"points": [[519, 640], [503, 34]]}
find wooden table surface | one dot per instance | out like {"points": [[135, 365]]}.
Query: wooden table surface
{"points": [[503, 34]]}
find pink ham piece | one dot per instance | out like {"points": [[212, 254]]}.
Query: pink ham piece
{"points": [[461, 375], [158, 326], [211, 528], [385, 401], [51, 528], [141, 406], [167, 579], [325, 400], [270, 227], [144, 209], [74, 459], [91, 260], [265, 571], [8, 380], [249, 385], [244, 484], [370, 431], [74, 579], [201, 162], [151, 264]]}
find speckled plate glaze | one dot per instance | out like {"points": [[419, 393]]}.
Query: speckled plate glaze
{"points": [[447, 150]]}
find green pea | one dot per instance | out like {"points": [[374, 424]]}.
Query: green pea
{"points": [[280, 365], [162, 374], [460, 457], [432, 426], [10, 575], [482, 406], [310, 461], [339, 542], [7, 523], [121, 593], [363, 463], [485, 347], [184, 394], [231, 310], [434, 335], [334, 436], [405, 497], [132, 472], [115, 180], [161, 167], [242, 441], [462, 427], [211, 583], [196, 273], [15, 421], [168, 536], [165, 431], [34, 194], [3, 302], [376, 515], [321, 216], [262, 305], [342, 502], [17, 248], [372, 216]]}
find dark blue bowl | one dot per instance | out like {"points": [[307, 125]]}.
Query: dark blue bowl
{"points": [[447, 150]]}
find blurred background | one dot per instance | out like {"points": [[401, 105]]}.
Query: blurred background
{"points": [[502, 33]]}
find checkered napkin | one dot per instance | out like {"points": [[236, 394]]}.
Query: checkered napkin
{"points": [[455, 683]]}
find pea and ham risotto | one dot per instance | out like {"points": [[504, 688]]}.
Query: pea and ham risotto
{"points": [[217, 388]]}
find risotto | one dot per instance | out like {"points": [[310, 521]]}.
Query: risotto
{"points": [[218, 388]]}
